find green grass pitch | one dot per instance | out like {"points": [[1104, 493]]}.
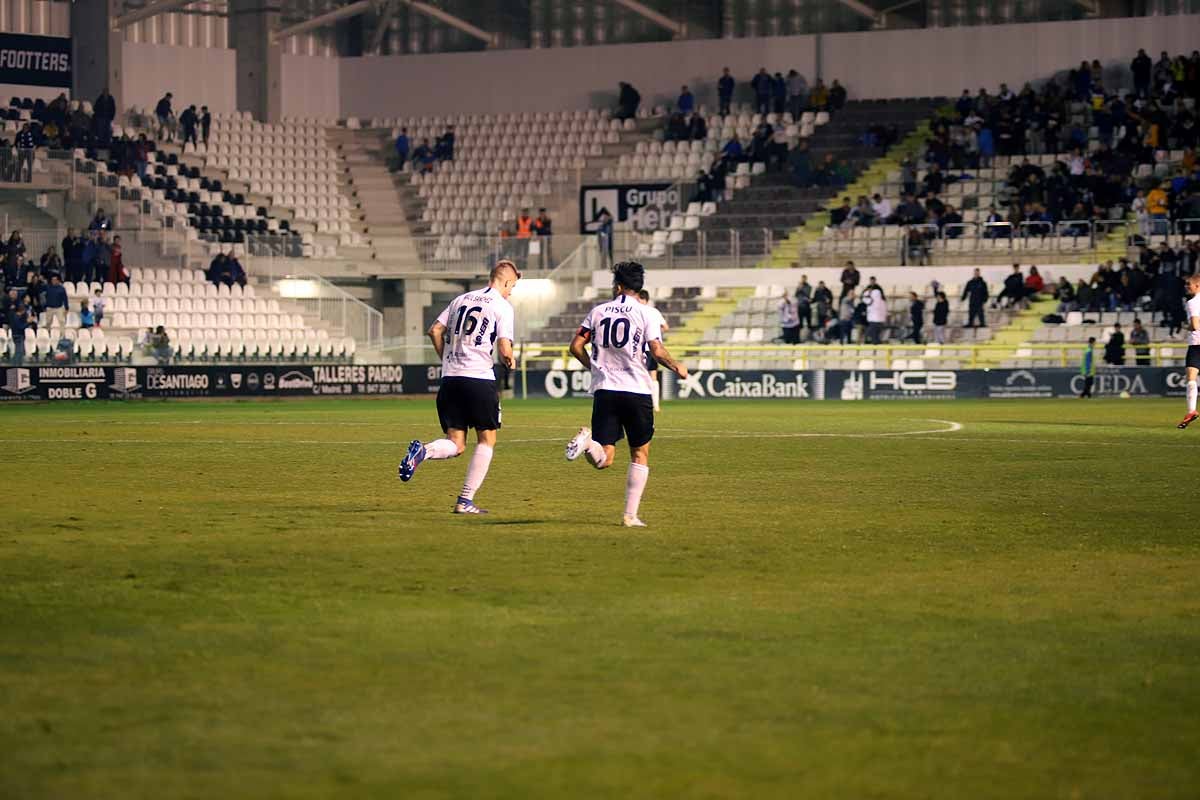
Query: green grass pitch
{"points": [[239, 600]]}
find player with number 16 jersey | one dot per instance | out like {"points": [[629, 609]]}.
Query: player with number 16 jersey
{"points": [[468, 335]]}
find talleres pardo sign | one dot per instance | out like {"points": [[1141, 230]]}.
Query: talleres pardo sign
{"points": [[35, 60]]}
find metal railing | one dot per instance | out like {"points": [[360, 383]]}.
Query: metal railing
{"points": [[1066, 355], [696, 247], [317, 297], [469, 251]]}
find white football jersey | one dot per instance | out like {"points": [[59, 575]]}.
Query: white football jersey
{"points": [[474, 321], [618, 332], [1193, 310]]}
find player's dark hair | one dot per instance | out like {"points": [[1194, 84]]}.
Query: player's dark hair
{"points": [[644, 295], [629, 274]]}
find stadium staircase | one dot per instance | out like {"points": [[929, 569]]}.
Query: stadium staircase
{"points": [[706, 317], [1019, 331], [377, 196]]}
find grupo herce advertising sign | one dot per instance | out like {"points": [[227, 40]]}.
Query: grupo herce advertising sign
{"points": [[35, 60], [645, 206]]}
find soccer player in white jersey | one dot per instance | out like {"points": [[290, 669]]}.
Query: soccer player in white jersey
{"points": [[651, 362], [467, 335], [1193, 351], [611, 342]]}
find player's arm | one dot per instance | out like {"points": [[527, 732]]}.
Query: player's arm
{"points": [[665, 358], [437, 334], [579, 347], [505, 348], [1195, 323]]}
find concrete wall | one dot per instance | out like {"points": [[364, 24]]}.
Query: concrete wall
{"points": [[199, 75], [558, 78], [882, 64], [309, 86]]}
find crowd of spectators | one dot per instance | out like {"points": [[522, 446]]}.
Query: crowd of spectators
{"points": [[189, 126], [33, 288], [1098, 137], [525, 236], [226, 270]]}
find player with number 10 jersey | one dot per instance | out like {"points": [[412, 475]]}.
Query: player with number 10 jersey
{"points": [[612, 342]]}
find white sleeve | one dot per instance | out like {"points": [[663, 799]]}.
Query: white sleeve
{"points": [[444, 317], [651, 331], [504, 325], [1193, 307]]}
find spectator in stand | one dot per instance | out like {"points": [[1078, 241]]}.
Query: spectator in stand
{"points": [[789, 320], [837, 96], [117, 271], [188, 121], [50, 263], [976, 295], [877, 312], [881, 206], [777, 148], [916, 312], [686, 103], [1139, 337], [604, 239], [698, 130], [166, 118], [524, 234], [219, 270], [725, 85], [822, 299], [98, 305], [543, 227], [205, 124], [160, 345], [733, 149], [628, 101], [25, 145], [19, 320], [1034, 285], [840, 216], [1158, 207], [850, 279], [1064, 293], [100, 221], [941, 316], [237, 273], [847, 307], [778, 93], [86, 318], [797, 89], [800, 164], [104, 111], [1014, 288], [15, 247], [819, 99], [761, 84], [423, 157], [803, 297], [101, 257], [1114, 348], [401, 147], [443, 149]]}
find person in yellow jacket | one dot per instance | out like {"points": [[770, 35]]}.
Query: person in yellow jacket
{"points": [[1157, 207]]}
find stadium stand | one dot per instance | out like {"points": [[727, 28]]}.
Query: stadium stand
{"points": [[759, 206], [1046, 173], [205, 322]]}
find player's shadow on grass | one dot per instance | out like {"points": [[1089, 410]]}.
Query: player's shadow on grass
{"points": [[492, 522]]}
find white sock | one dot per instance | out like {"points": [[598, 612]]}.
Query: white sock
{"points": [[440, 448], [477, 470], [635, 484], [657, 394], [1191, 396], [595, 453]]}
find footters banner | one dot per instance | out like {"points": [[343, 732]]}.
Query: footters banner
{"points": [[82, 382]]}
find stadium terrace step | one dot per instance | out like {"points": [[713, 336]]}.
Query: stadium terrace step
{"points": [[1020, 330]]}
